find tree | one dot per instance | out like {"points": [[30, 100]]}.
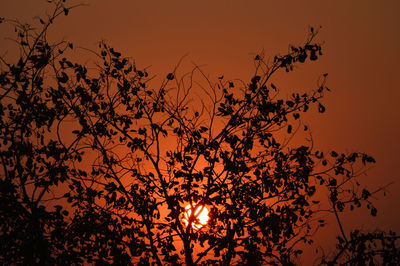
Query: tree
{"points": [[98, 166]]}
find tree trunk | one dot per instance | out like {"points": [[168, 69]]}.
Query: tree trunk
{"points": [[188, 253]]}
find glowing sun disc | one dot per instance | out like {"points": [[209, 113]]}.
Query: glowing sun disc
{"points": [[201, 214]]}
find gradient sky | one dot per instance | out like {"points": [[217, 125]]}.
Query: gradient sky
{"points": [[361, 41]]}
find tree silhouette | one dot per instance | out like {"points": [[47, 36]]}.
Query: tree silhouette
{"points": [[98, 166]]}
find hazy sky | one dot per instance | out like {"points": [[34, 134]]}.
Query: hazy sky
{"points": [[361, 40]]}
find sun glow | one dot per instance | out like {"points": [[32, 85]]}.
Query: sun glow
{"points": [[200, 213]]}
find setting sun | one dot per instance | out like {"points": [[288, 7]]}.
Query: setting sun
{"points": [[201, 214]]}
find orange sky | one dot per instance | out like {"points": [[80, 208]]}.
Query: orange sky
{"points": [[361, 55]]}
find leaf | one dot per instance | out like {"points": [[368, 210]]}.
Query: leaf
{"points": [[63, 78], [289, 129], [203, 129], [321, 108], [255, 79], [313, 56], [374, 211], [365, 194], [290, 103], [170, 76]]}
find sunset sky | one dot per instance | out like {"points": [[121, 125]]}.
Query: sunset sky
{"points": [[360, 40]]}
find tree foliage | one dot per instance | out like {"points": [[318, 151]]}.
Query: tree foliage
{"points": [[98, 166]]}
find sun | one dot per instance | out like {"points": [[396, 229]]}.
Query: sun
{"points": [[201, 215]]}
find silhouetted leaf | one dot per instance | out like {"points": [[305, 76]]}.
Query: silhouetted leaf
{"points": [[63, 78], [289, 129], [321, 108]]}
